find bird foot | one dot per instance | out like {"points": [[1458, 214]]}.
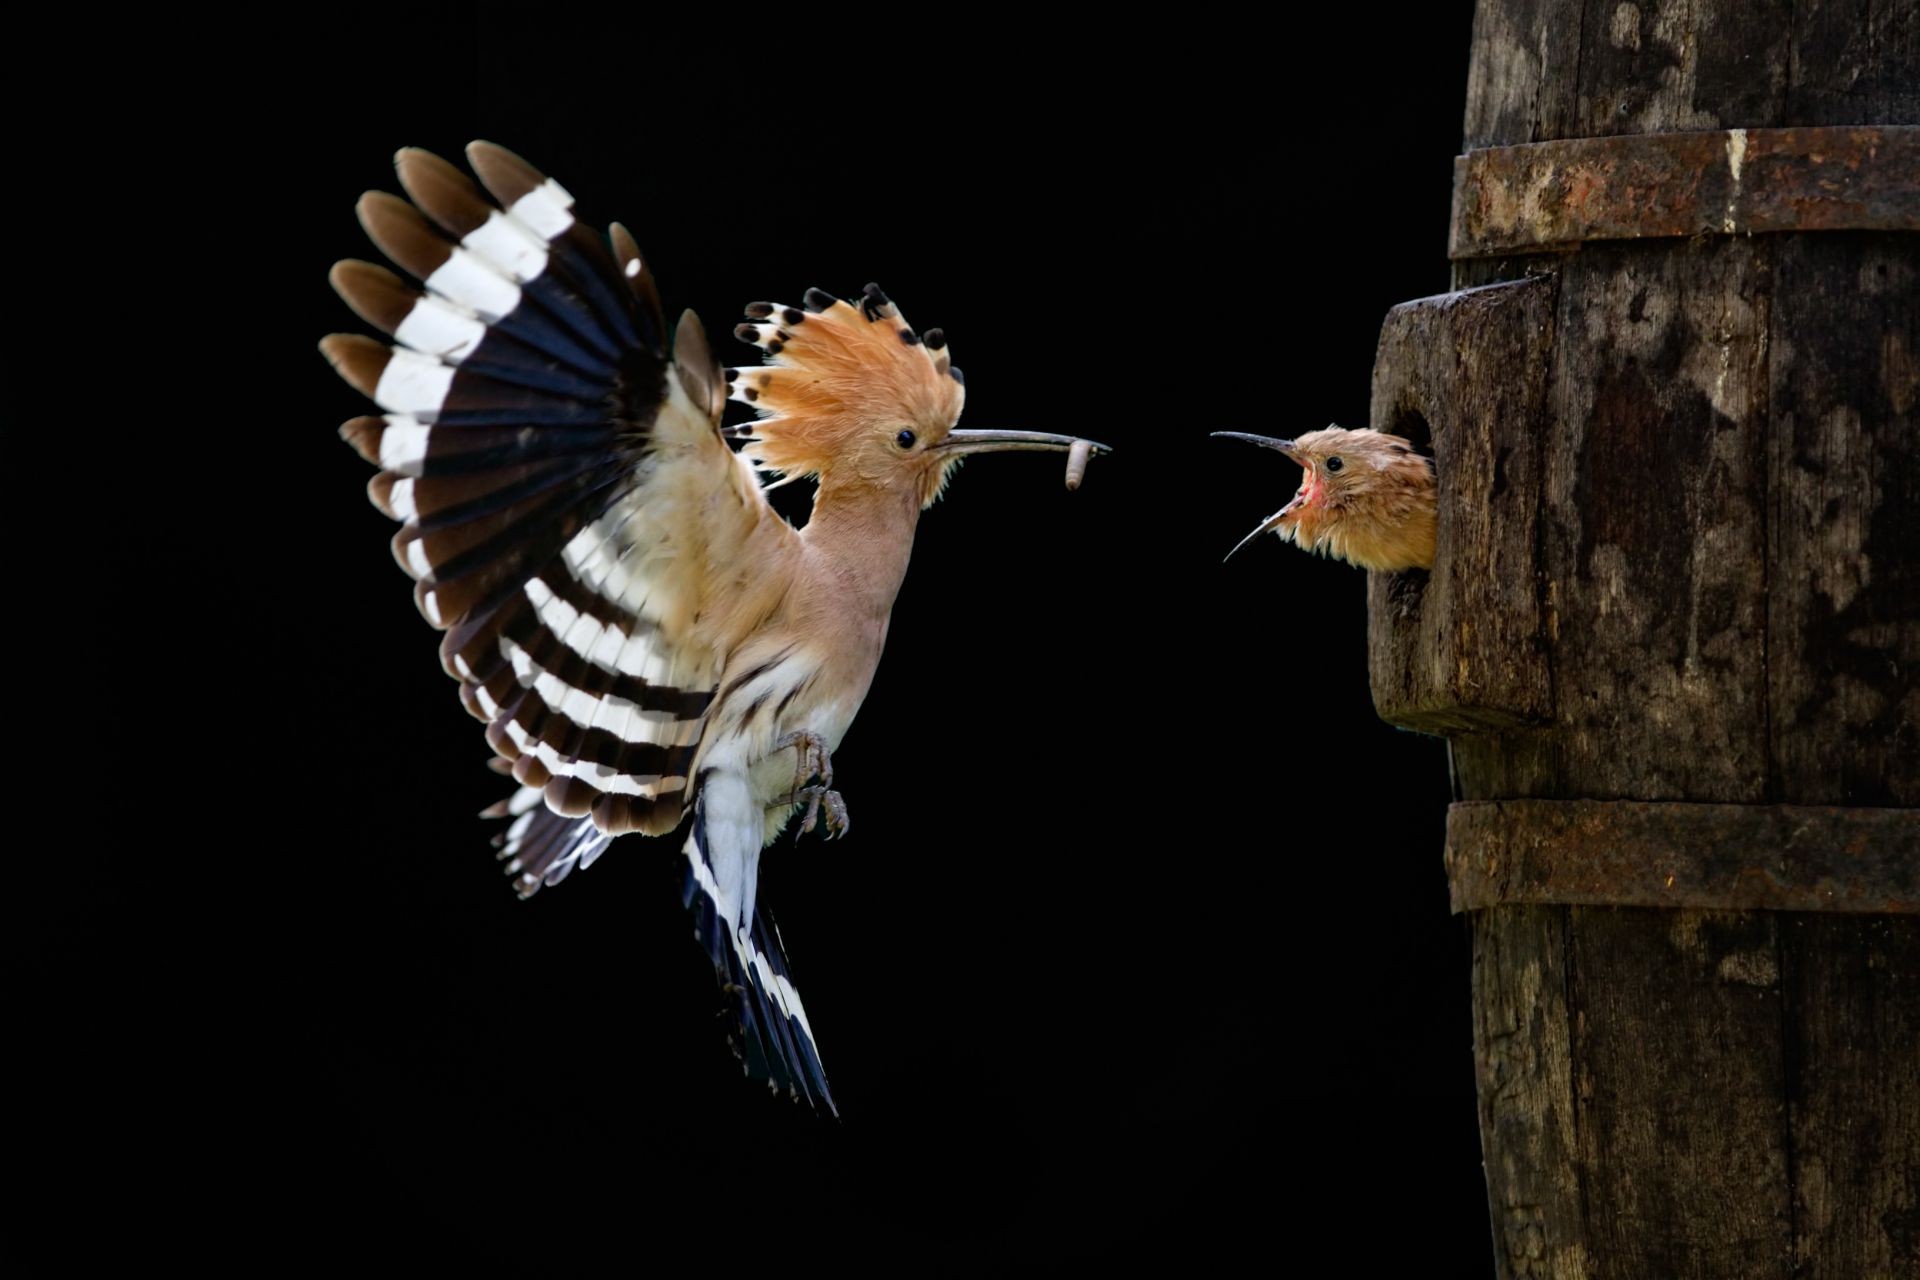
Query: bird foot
{"points": [[812, 761], [819, 798], [810, 757]]}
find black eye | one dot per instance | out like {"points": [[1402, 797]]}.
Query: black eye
{"points": [[905, 439], [1334, 463]]}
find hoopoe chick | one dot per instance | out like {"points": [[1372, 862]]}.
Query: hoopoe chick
{"points": [[645, 638], [1366, 497]]}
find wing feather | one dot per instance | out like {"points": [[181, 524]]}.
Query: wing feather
{"points": [[572, 517]]}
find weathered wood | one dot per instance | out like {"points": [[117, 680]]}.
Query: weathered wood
{"points": [[1728, 565], [1546, 69], [1654, 557], [1834, 1118], [1523, 77], [1844, 526], [1469, 370], [1854, 62], [1704, 856], [1543, 69], [1682, 64], [1679, 1092], [1853, 1091], [1523, 1064], [1654, 424]]}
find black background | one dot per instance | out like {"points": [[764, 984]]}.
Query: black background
{"points": [[1139, 950]]}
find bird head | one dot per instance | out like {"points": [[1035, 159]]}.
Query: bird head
{"points": [[1365, 497], [850, 394]]}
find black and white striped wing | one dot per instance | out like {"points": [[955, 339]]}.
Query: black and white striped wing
{"points": [[562, 486]]}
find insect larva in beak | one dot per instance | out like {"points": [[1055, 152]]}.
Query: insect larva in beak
{"points": [[1077, 463]]}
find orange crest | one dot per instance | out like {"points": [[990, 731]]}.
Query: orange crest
{"points": [[839, 382]]}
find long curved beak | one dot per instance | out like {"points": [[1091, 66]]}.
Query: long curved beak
{"points": [[1272, 521], [1268, 526], [1265, 442], [959, 443]]}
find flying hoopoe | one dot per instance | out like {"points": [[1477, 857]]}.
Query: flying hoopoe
{"points": [[643, 635], [1366, 497]]}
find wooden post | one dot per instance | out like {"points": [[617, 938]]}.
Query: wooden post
{"points": [[1674, 629]]}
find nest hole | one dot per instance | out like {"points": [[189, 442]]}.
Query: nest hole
{"points": [[1411, 425]]}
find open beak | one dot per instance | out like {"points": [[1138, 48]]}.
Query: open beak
{"points": [[960, 443], [1272, 522], [1265, 442], [1268, 526]]}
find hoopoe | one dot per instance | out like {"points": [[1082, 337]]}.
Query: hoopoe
{"points": [[1366, 497], [643, 635]]}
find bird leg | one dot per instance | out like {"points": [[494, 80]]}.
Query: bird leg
{"points": [[810, 758], [812, 761]]}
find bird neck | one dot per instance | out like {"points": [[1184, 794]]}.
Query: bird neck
{"points": [[864, 534]]}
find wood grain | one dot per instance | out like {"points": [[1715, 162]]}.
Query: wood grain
{"points": [[1853, 1092], [1719, 606], [1523, 1064], [1844, 526], [1469, 370], [1679, 1092]]}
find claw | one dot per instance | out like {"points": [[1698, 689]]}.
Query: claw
{"points": [[837, 824], [817, 797], [812, 761]]}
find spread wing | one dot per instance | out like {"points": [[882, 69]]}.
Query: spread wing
{"points": [[568, 503]]}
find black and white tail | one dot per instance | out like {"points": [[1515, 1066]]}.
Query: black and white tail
{"points": [[774, 1039], [771, 1032]]}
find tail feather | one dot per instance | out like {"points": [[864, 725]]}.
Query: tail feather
{"points": [[771, 1033], [775, 1041]]}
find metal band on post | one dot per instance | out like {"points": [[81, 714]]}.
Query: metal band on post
{"points": [[1552, 196], [1711, 857]]}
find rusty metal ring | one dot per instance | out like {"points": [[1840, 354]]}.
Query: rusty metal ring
{"points": [[1552, 196], [1731, 857]]}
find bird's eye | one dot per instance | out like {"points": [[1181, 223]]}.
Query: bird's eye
{"points": [[905, 439], [1334, 463]]}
